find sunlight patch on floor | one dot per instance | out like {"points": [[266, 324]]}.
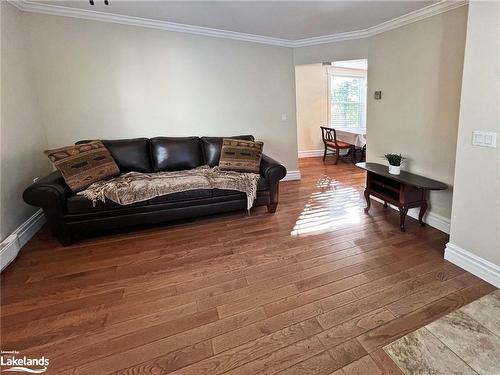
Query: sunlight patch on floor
{"points": [[333, 206]]}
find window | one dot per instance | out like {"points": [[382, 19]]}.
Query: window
{"points": [[347, 101]]}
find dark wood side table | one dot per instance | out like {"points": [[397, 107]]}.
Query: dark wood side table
{"points": [[406, 190]]}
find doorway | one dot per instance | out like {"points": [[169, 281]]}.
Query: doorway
{"points": [[333, 95]]}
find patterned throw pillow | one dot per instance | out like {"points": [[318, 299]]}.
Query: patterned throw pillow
{"points": [[83, 164], [240, 156]]}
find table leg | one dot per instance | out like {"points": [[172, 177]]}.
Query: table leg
{"points": [[368, 201], [402, 217], [421, 214]]}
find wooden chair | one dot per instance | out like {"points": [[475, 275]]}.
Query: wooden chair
{"points": [[330, 141]]}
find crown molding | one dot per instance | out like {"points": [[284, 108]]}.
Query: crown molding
{"points": [[418, 15], [406, 19], [57, 10]]}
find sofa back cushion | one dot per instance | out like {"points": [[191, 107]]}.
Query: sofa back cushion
{"points": [[212, 147], [175, 153], [131, 155]]}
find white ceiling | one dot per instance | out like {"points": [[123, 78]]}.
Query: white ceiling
{"points": [[291, 20]]}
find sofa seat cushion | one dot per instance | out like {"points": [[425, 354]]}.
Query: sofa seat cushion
{"points": [[223, 192], [80, 204], [261, 186], [182, 196]]}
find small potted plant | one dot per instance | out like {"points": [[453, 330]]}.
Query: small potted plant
{"points": [[394, 162]]}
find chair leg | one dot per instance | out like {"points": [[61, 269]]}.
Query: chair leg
{"points": [[337, 151], [324, 154]]}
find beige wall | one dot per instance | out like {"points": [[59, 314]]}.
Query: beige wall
{"points": [[311, 88], [347, 50], [103, 80], [419, 70], [418, 67], [475, 222], [22, 136]]}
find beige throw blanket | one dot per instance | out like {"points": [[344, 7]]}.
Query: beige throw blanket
{"points": [[135, 187]]}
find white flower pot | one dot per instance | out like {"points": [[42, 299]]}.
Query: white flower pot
{"points": [[394, 169]]}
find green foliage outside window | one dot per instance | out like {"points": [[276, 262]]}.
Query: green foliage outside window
{"points": [[347, 101]]}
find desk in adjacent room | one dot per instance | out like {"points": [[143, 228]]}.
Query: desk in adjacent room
{"points": [[355, 137]]}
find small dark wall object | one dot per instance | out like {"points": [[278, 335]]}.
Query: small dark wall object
{"points": [[91, 2], [378, 95]]}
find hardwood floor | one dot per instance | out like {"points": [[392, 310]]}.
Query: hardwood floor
{"points": [[317, 288]]}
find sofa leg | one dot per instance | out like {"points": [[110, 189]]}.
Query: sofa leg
{"points": [[65, 239], [271, 208]]}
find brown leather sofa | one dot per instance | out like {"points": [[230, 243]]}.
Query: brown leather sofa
{"points": [[70, 215]]}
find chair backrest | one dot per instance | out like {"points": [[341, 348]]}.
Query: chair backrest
{"points": [[328, 134]]}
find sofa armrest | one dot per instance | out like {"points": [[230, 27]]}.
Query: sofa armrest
{"points": [[271, 169], [49, 192], [273, 172]]}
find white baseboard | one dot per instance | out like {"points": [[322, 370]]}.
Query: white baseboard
{"points": [[313, 153], [310, 153], [10, 247], [292, 175], [479, 267], [434, 220]]}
